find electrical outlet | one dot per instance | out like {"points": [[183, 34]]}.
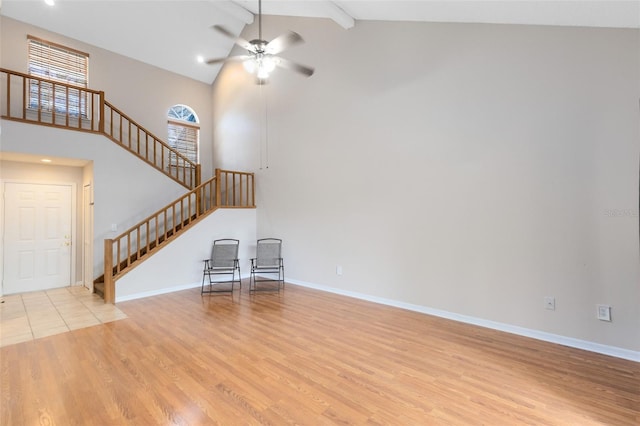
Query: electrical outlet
{"points": [[550, 303], [339, 270], [604, 312]]}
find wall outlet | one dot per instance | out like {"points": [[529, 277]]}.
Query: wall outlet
{"points": [[339, 270], [550, 303], [604, 312]]}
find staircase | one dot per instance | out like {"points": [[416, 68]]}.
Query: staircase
{"points": [[227, 189], [97, 116], [98, 283]]}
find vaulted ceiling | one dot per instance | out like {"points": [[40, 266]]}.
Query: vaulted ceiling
{"points": [[172, 34]]}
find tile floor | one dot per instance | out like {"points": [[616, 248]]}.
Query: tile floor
{"points": [[29, 316]]}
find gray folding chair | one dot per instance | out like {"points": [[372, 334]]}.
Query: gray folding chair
{"points": [[268, 261], [223, 262]]}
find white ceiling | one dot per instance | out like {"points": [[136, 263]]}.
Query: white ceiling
{"points": [[170, 34]]}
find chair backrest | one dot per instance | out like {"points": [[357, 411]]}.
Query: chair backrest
{"points": [[268, 252], [224, 252]]}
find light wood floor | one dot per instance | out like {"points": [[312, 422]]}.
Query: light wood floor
{"points": [[305, 357]]}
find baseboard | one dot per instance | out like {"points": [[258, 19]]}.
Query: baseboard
{"points": [[163, 291], [521, 331]]}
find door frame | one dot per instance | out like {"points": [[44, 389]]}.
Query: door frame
{"points": [[87, 236], [74, 212]]}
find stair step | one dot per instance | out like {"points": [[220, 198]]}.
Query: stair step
{"points": [[98, 288]]}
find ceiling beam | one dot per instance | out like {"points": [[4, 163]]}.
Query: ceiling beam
{"points": [[335, 12], [234, 10]]}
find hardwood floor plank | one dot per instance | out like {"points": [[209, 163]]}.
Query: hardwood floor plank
{"points": [[306, 357]]}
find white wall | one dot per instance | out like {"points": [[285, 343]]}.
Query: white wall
{"points": [[179, 265], [472, 169], [143, 92], [125, 189]]}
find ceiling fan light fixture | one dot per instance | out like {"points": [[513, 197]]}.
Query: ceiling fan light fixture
{"points": [[262, 74], [261, 65], [250, 65], [268, 63], [261, 59]]}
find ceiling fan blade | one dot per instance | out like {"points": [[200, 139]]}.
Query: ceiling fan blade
{"points": [[285, 63], [283, 42], [238, 40], [239, 58], [215, 61]]}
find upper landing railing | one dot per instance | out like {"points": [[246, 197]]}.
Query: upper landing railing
{"points": [[47, 102]]}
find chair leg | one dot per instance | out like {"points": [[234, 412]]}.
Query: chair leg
{"points": [[252, 278], [233, 277]]}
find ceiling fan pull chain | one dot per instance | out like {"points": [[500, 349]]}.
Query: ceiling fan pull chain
{"points": [[266, 126]]}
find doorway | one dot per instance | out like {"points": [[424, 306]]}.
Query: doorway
{"points": [[39, 222]]}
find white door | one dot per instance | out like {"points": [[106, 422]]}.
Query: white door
{"points": [[37, 237]]}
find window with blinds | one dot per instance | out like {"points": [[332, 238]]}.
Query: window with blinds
{"points": [[184, 138], [62, 64], [183, 133]]}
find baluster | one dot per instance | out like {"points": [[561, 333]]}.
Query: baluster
{"points": [[24, 97], [39, 100], [128, 262], [173, 219], [79, 108], [8, 95], [138, 241], [102, 112], [118, 253], [218, 197]]}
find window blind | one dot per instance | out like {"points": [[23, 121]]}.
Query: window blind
{"points": [[184, 139], [58, 63]]}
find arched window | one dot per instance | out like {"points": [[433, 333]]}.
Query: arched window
{"points": [[183, 133]]}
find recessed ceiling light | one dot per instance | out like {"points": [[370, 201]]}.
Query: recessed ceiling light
{"points": [[50, 2], [200, 59], [45, 160]]}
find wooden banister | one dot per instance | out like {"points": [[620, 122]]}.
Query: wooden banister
{"points": [[128, 133], [235, 189], [137, 243], [228, 189], [48, 102]]}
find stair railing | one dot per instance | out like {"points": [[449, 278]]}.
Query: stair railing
{"points": [[38, 100], [121, 129], [230, 189], [48, 102]]}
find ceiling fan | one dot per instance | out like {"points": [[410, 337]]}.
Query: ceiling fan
{"points": [[261, 59]]}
